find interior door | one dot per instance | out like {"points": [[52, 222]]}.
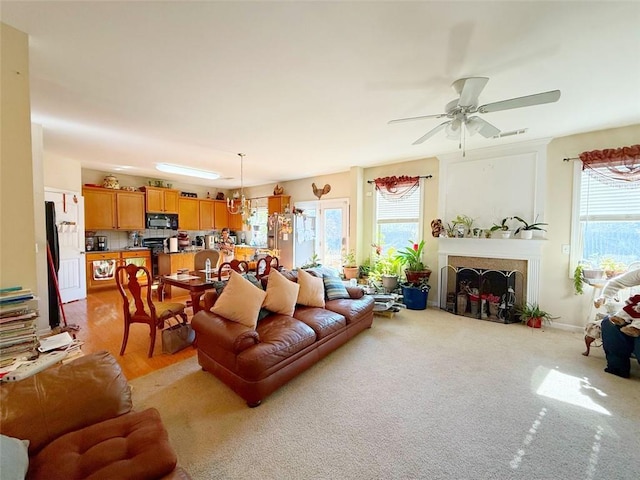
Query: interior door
{"points": [[333, 231], [72, 279]]}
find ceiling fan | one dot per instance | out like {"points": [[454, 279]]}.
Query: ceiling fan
{"points": [[461, 111]]}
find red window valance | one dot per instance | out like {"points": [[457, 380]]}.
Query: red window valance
{"points": [[396, 187], [615, 166]]}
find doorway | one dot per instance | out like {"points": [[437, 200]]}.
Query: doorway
{"points": [[69, 208], [332, 229]]}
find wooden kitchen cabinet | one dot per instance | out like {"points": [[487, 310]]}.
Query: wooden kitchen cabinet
{"points": [[172, 262], [101, 267], [278, 203], [221, 215], [141, 258], [188, 213], [235, 222], [161, 200], [207, 214], [107, 209]]}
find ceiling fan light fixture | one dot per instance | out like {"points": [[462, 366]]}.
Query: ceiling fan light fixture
{"points": [[452, 130], [188, 171]]}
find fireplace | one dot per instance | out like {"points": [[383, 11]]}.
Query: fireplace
{"points": [[484, 269], [485, 288]]}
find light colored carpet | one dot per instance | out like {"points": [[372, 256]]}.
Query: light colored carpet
{"points": [[423, 395]]}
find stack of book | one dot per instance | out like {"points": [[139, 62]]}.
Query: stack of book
{"points": [[18, 317]]}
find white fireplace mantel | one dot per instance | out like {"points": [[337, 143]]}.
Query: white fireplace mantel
{"points": [[511, 248]]}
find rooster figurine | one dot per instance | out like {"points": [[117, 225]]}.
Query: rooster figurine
{"points": [[318, 192]]}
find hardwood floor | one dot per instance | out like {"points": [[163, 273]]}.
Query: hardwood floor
{"points": [[99, 317]]}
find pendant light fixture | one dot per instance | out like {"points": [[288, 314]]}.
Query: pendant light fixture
{"points": [[238, 204]]}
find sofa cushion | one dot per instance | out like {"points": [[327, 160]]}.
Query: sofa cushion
{"points": [[311, 291], [323, 322], [281, 337], [334, 288], [14, 458], [240, 301], [131, 446], [281, 294], [354, 309]]}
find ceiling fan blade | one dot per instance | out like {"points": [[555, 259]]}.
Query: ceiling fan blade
{"points": [[431, 133], [527, 101], [409, 119], [479, 125], [469, 90]]}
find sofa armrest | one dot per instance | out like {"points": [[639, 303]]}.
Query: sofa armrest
{"points": [[230, 336], [355, 292], [64, 398], [209, 299]]}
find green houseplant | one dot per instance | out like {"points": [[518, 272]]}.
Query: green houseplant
{"points": [[526, 229], [349, 265], [532, 315], [502, 227], [386, 269], [411, 257]]}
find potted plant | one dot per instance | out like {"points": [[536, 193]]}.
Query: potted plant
{"points": [[533, 315], [463, 224], [415, 295], [411, 257], [502, 228], [526, 230], [386, 269], [349, 265], [612, 267]]}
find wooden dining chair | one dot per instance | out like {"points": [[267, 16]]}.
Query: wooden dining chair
{"points": [[265, 264], [239, 266], [201, 258], [139, 308]]}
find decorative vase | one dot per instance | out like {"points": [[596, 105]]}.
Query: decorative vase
{"points": [[110, 181]]}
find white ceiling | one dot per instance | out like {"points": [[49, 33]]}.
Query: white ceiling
{"points": [[307, 88]]}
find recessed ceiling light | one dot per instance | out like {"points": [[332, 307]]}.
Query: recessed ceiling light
{"points": [[191, 172]]}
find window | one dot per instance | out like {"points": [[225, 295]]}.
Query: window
{"points": [[398, 220], [258, 222], [607, 223]]}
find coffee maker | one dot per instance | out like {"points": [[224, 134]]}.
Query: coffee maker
{"points": [[101, 243]]}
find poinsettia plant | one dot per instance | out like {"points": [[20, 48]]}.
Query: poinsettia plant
{"points": [[412, 256]]}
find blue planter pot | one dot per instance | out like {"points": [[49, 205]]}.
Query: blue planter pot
{"points": [[415, 298]]}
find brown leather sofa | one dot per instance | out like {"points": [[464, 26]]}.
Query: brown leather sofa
{"points": [[256, 362], [79, 422]]}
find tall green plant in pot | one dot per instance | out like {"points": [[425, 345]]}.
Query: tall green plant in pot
{"points": [[386, 269], [411, 257]]}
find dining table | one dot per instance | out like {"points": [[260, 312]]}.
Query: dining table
{"points": [[196, 282]]}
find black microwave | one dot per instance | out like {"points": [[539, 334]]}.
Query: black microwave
{"points": [[162, 220]]}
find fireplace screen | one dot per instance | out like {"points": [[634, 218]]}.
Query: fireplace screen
{"points": [[486, 294]]}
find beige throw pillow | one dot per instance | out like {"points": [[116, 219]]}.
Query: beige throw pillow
{"points": [[311, 291], [281, 294], [240, 301]]}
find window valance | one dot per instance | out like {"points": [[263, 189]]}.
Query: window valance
{"points": [[396, 187], [615, 166]]}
